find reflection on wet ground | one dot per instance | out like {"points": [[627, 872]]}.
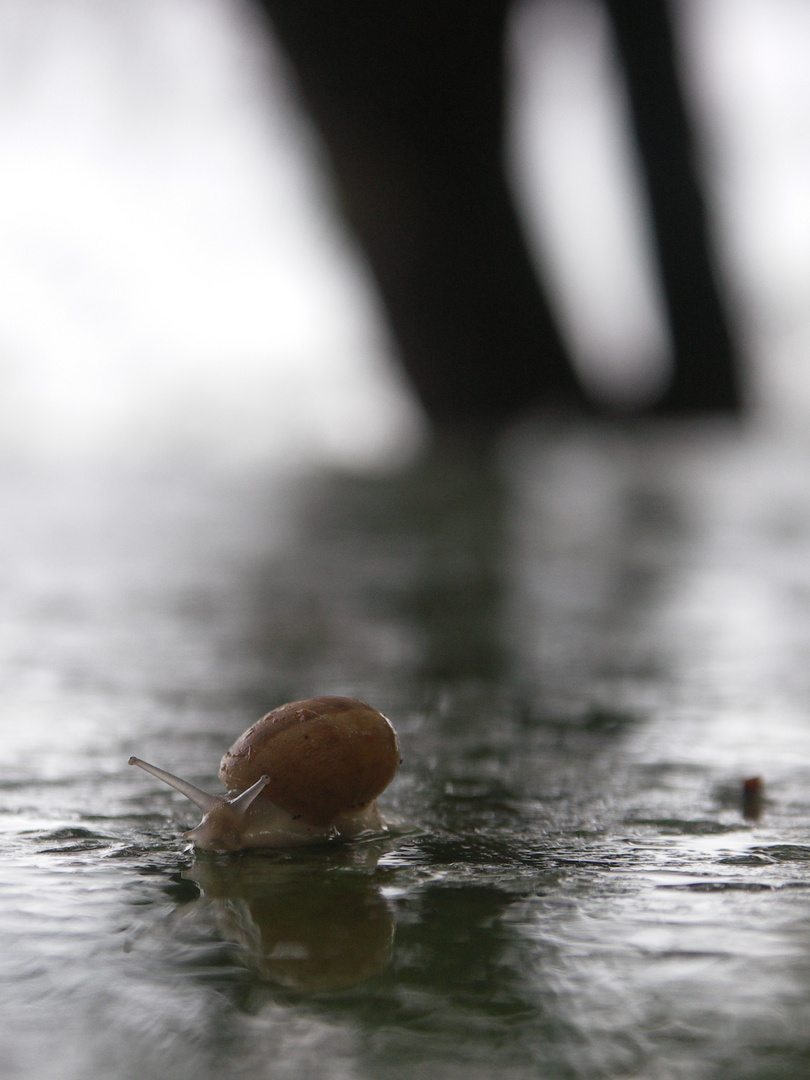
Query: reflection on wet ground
{"points": [[588, 644]]}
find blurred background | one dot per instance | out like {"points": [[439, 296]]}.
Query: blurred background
{"points": [[174, 277]]}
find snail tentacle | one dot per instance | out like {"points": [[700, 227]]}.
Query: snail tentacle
{"points": [[241, 802], [199, 797]]}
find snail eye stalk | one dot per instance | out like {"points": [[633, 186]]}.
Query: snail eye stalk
{"points": [[199, 797]]}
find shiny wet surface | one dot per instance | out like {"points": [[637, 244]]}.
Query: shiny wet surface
{"points": [[586, 646]]}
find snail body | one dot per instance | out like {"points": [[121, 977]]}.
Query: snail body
{"points": [[307, 771]]}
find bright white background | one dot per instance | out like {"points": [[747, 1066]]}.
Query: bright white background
{"points": [[174, 280]]}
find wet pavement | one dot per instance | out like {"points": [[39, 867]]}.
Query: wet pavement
{"points": [[587, 642]]}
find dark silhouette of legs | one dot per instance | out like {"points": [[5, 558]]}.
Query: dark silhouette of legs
{"points": [[706, 376], [409, 98]]}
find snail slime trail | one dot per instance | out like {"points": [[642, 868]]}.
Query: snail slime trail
{"points": [[307, 771]]}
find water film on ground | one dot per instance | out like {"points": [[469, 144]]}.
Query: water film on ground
{"points": [[588, 642]]}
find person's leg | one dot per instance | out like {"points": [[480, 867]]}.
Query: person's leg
{"points": [[706, 375], [409, 98]]}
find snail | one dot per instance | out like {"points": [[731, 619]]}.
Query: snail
{"points": [[307, 771]]}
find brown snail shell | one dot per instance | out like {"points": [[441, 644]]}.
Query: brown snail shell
{"points": [[308, 770], [324, 757]]}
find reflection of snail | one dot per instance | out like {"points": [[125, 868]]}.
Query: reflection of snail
{"points": [[307, 930], [310, 770]]}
